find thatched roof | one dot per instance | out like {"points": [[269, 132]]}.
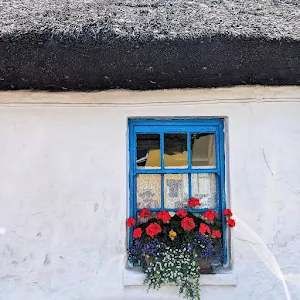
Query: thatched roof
{"points": [[99, 44], [158, 19]]}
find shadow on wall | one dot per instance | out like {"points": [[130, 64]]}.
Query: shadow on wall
{"points": [[260, 248]]}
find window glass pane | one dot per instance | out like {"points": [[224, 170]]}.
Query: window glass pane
{"points": [[148, 190], [175, 190], [204, 188], [148, 151], [203, 150], [175, 146]]}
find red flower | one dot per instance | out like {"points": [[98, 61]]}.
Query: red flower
{"points": [[203, 228], [227, 212], [210, 215], [131, 222], [194, 202], [216, 234], [164, 216], [153, 229], [188, 223], [231, 222], [181, 213], [145, 213], [137, 232]]}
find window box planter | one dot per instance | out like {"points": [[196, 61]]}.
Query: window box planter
{"points": [[176, 248], [205, 266]]}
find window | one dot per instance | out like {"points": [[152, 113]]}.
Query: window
{"points": [[174, 160]]}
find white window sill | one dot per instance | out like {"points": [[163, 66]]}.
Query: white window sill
{"points": [[133, 277]]}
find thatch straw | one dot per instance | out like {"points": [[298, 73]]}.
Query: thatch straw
{"points": [[154, 19]]}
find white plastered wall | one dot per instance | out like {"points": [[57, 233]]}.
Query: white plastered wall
{"points": [[63, 195]]}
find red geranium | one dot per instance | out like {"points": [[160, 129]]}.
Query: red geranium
{"points": [[231, 222], [210, 215], [194, 202], [137, 233], [188, 223], [181, 213], [153, 229], [145, 213], [164, 216], [216, 234], [130, 222], [227, 212], [203, 228]]}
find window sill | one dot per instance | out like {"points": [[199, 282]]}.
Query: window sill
{"points": [[133, 277]]}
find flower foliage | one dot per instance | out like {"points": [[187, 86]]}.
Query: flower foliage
{"points": [[170, 245]]}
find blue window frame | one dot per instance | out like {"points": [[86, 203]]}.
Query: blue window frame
{"points": [[189, 129]]}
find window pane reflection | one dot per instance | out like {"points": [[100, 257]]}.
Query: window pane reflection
{"points": [[203, 150], [148, 151], [175, 146]]}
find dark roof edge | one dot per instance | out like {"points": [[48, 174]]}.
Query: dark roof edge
{"points": [[46, 62]]}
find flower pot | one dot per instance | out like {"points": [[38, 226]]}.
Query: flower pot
{"points": [[205, 266], [147, 259]]}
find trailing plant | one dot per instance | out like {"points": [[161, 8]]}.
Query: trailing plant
{"points": [[175, 266]]}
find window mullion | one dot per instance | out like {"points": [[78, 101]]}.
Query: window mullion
{"points": [[218, 195], [133, 199], [162, 165], [189, 163], [176, 171], [190, 185], [162, 150], [132, 179], [222, 200], [162, 191], [217, 151]]}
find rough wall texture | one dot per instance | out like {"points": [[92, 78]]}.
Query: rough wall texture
{"points": [[63, 196]]}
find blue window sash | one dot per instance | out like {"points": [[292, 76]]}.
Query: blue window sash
{"points": [[178, 125]]}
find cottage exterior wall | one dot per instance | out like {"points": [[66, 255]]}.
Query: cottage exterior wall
{"points": [[64, 191]]}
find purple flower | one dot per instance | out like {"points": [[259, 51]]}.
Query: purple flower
{"points": [[202, 246], [154, 247]]}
